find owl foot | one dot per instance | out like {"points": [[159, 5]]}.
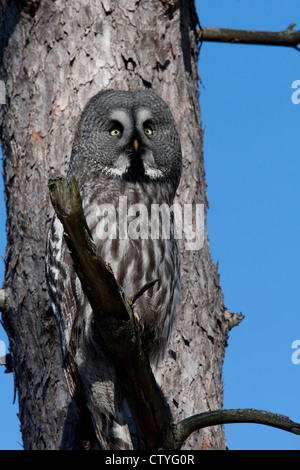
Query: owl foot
{"points": [[139, 322]]}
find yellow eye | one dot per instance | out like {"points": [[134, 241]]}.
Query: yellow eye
{"points": [[148, 131], [115, 132]]}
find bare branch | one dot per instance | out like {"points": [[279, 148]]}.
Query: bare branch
{"points": [[101, 284], [213, 418], [114, 318], [288, 37]]}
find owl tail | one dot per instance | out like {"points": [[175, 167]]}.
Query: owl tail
{"points": [[100, 418], [113, 435], [103, 398]]}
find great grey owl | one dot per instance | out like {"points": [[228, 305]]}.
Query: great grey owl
{"points": [[126, 158]]}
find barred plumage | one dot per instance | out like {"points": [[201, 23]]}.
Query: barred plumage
{"points": [[126, 158]]}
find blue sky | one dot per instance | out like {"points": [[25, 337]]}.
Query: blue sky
{"points": [[252, 162]]}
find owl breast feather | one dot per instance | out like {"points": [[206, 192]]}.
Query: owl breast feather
{"points": [[134, 243]]}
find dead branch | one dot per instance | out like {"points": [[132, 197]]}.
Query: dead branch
{"points": [[213, 418], [288, 37], [114, 318]]}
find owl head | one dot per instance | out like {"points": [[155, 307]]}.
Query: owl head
{"points": [[127, 135]]}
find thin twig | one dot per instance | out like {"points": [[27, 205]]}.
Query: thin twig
{"points": [[142, 290], [288, 37]]}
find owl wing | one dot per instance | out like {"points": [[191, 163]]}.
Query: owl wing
{"points": [[89, 374]]}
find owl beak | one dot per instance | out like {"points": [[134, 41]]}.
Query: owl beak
{"points": [[135, 145]]}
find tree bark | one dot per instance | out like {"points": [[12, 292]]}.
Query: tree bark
{"points": [[54, 57]]}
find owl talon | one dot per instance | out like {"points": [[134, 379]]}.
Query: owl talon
{"points": [[139, 322]]}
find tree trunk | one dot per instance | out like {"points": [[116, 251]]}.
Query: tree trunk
{"points": [[54, 57]]}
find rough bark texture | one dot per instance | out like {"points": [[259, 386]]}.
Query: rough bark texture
{"points": [[54, 57]]}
